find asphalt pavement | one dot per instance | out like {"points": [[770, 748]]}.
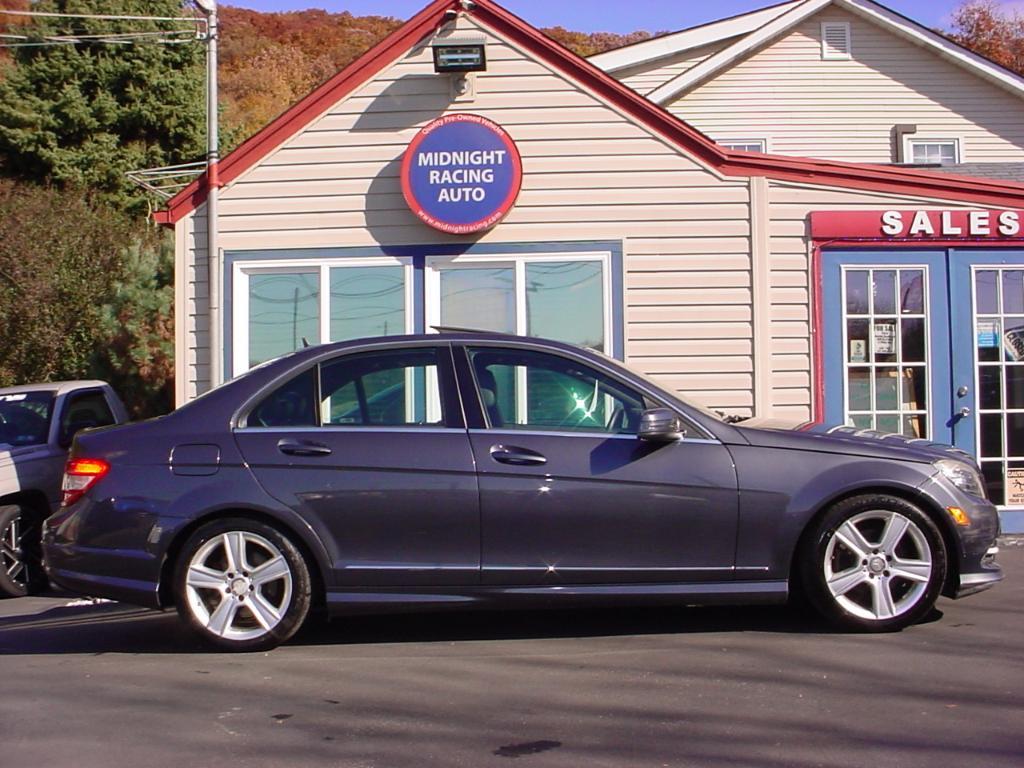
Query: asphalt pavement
{"points": [[108, 685]]}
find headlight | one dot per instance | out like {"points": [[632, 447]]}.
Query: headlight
{"points": [[963, 476]]}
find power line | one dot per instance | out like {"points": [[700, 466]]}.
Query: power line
{"points": [[197, 30]]}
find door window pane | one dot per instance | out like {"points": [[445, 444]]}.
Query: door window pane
{"points": [[477, 298], [552, 393], [382, 389], [884, 292], [986, 292], [1013, 292], [857, 292], [565, 302], [912, 291], [367, 302], [284, 310]]}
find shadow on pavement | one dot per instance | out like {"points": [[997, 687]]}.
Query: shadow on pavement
{"points": [[117, 628]]}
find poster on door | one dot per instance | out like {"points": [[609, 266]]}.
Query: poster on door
{"points": [[1015, 487], [885, 338]]}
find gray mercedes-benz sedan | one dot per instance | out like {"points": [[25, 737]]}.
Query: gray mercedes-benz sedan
{"points": [[473, 469]]}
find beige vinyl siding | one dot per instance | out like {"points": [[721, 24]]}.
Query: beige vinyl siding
{"points": [[845, 110], [790, 280], [589, 174], [644, 78]]}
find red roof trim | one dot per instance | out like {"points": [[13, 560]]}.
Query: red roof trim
{"points": [[864, 177]]}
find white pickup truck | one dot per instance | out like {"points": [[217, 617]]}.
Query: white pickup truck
{"points": [[37, 424]]}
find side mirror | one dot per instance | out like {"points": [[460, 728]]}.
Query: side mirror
{"points": [[660, 425]]}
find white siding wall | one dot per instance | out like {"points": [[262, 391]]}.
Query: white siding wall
{"points": [[844, 110], [589, 174], [791, 297]]}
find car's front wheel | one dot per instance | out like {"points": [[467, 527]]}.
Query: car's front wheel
{"points": [[242, 585], [21, 562], [874, 563]]}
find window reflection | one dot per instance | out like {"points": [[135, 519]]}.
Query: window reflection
{"points": [[284, 310]]}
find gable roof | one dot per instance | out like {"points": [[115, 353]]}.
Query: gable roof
{"points": [[645, 51], [762, 27], [659, 121]]}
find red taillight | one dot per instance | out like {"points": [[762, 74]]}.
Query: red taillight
{"points": [[79, 476]]}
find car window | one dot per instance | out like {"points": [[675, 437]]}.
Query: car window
{"points": [[290, 405], [84, 410], [25, 418], [395, 388], [524, 389]]}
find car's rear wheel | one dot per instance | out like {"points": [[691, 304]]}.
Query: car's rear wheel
{"points": [[21, 562], [242, 585], [874, 563]]}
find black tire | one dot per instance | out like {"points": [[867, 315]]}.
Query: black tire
{"points": [[873, 563], [222, 600], [21, 555]]}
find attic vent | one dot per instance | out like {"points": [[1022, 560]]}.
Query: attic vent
{"points": [[835, 40]]}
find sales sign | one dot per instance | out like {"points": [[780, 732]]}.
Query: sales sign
{"points": [[461, 174]]}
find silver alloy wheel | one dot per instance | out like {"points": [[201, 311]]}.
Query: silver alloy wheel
{"points": [[12, 553], [878, 565], [238, 585]]}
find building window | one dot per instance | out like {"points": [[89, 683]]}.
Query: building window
{"points": [[933, 151], [562, 297], [279, 308], [745, 145], [885, 314], [835, 40]]}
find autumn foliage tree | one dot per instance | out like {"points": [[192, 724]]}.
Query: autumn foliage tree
{"points": [[985, 27]]}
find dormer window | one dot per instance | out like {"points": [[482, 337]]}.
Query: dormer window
{"points": [[835, 40]]}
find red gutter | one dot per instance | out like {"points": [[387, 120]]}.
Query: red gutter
{"points": [[861, 177]]}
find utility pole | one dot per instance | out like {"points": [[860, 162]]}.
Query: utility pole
{"points": [[209, 9]]}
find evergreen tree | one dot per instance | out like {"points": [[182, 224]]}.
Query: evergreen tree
{"points": [[85, 114]]}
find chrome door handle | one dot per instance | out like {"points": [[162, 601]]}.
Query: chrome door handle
{"points": [[520, 457], [965, 412], [302, 448]]}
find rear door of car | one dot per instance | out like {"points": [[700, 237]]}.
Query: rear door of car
{"points": [[370, 447], [568, 492]]}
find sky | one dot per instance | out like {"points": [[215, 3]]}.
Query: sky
{"points": [[607, 15]]}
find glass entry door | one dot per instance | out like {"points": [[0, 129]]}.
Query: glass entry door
{"points": [[887, 343], [930, 344], [987, 294]]}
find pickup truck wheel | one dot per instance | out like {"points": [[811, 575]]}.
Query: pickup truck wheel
{"points": [[242, 585], [21, 561], [874, 563]]}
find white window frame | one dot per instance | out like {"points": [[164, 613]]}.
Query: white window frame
{"points": [[909, 143], [829, 54], [732, 144], [241, 270], [432, 289], [929, 410]]}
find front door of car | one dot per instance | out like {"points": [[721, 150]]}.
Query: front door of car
{"points": [[370, 448], [569, 494]]}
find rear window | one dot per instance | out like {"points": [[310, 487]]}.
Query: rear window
{"points": [[25, 418]]}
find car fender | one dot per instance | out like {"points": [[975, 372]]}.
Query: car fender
{"points": [[219, 497], [779, 497]]}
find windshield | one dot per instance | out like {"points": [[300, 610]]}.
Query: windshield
{"points": [[25, 418]]}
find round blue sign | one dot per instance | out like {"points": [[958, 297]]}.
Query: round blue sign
{"points": [[462, 174]]}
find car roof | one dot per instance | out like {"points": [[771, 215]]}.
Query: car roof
{"points": [[56, 387]]}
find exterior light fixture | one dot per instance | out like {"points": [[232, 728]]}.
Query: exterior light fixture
{"points": [[455, 57]]}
